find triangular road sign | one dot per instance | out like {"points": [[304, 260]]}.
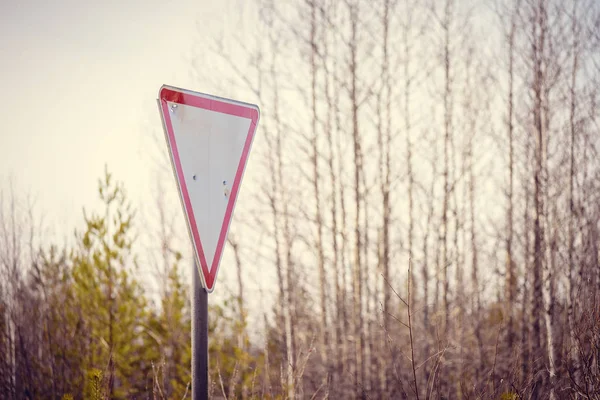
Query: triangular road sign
{"points": [[209, 141]]}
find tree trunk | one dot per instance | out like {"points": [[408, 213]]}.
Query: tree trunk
{"points": [[359, 373], [538, 32], [384, 122], [316, 185], [511, 279], [447, 147], [571, 268], [329, 122]]}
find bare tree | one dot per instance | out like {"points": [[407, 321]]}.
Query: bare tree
{"points": [[357, 278], [384, 144]]}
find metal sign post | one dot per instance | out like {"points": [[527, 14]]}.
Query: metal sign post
{"points": [[199, 338], [209, 140]]}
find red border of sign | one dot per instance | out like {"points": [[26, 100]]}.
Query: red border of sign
{"points": [[180, 96]]}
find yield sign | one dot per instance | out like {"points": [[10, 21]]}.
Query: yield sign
{"points": [[209, 140]]}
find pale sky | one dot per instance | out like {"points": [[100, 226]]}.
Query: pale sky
{"points": [[79, 83]]}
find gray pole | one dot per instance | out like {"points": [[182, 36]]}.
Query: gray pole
{"points": [[199, 339]]}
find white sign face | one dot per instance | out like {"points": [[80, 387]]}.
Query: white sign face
{"points": [[209, 141]]}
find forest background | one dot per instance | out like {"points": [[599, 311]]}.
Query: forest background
{"points": [[420, 219]]}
